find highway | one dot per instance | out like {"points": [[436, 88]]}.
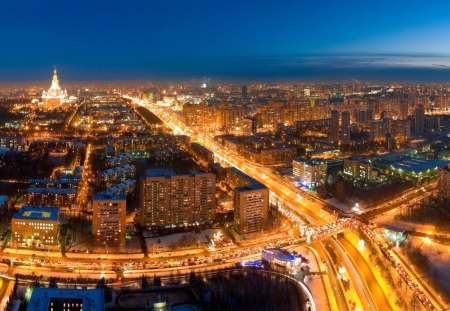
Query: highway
{"points": [[310, 209]]}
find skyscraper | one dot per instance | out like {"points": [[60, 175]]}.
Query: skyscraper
{"points": [[345, 127], [250, 208], [244, 93], [170, 200], [109, 220], [419, 119], [333, 132]]}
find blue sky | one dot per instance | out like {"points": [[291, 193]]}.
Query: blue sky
{"points": [[180, 39]]}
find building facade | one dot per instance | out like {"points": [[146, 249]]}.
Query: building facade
{"points": [[109, 220], [310, 173], [55, 96], [170, 200], [444, 182], [35, 226]]}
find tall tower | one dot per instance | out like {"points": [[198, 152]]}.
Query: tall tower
{"points": [[333, 132], [419, 119], [345, 127], [55, 96]]}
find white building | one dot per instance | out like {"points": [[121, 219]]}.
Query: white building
{"points": [[55, 96]]}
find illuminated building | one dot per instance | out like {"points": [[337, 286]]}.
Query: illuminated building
{"points": [[61, 197], [231, 117], [399, 129], [121, 159], [109, 219], [279, 256], [419, 119], [333, 132], [170, 200], [55, 96], [444, 182], [251, 202], [278, 155], [53, 299], [11, 142], [206, 155], [358, 168], [117, 174], [35, 226], [345, 127], [310, 173], [250, 208]]}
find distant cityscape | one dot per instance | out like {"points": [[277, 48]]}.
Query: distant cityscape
{"points": [[220, 196]]}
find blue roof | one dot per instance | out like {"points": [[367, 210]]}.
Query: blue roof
{"points": [[279, 254], [37, 212], [52, 190], [92, 299], [116, 169], [412, 164], [53, 181], [117, 188], [101, 197], [3, 199]]}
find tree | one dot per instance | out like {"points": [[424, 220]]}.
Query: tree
{"points": [[144, 282], [157, 281], [52, 283]]}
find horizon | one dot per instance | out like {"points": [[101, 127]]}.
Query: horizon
{"points": [[230, 41]]}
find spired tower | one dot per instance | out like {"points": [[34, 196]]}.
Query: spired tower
{"points": [[55, 96]]}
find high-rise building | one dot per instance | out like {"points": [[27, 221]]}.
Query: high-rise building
{"points": [[55, 96], [419, 119], [244, 92], [444, 182], [345, 127], [310, 173], [109, 220], [333, 132], [170, 200], [251, 203], [403, 110]]}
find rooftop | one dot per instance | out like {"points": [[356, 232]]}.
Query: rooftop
{"points": [[116, 169], [280, 254], [315, 162], [92, 299], [102, 197], [52, 190], [412, 164], [117, 188], [37, 212]]}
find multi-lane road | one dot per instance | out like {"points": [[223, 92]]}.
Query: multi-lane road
{"points": [[310, 209]]}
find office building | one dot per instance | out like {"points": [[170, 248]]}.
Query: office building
{"points": [[170, 200], [310, 173], [358, 168], [109, 220], [35, 226]]}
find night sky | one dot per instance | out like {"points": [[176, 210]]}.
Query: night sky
{"points": [[230, 40]]}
